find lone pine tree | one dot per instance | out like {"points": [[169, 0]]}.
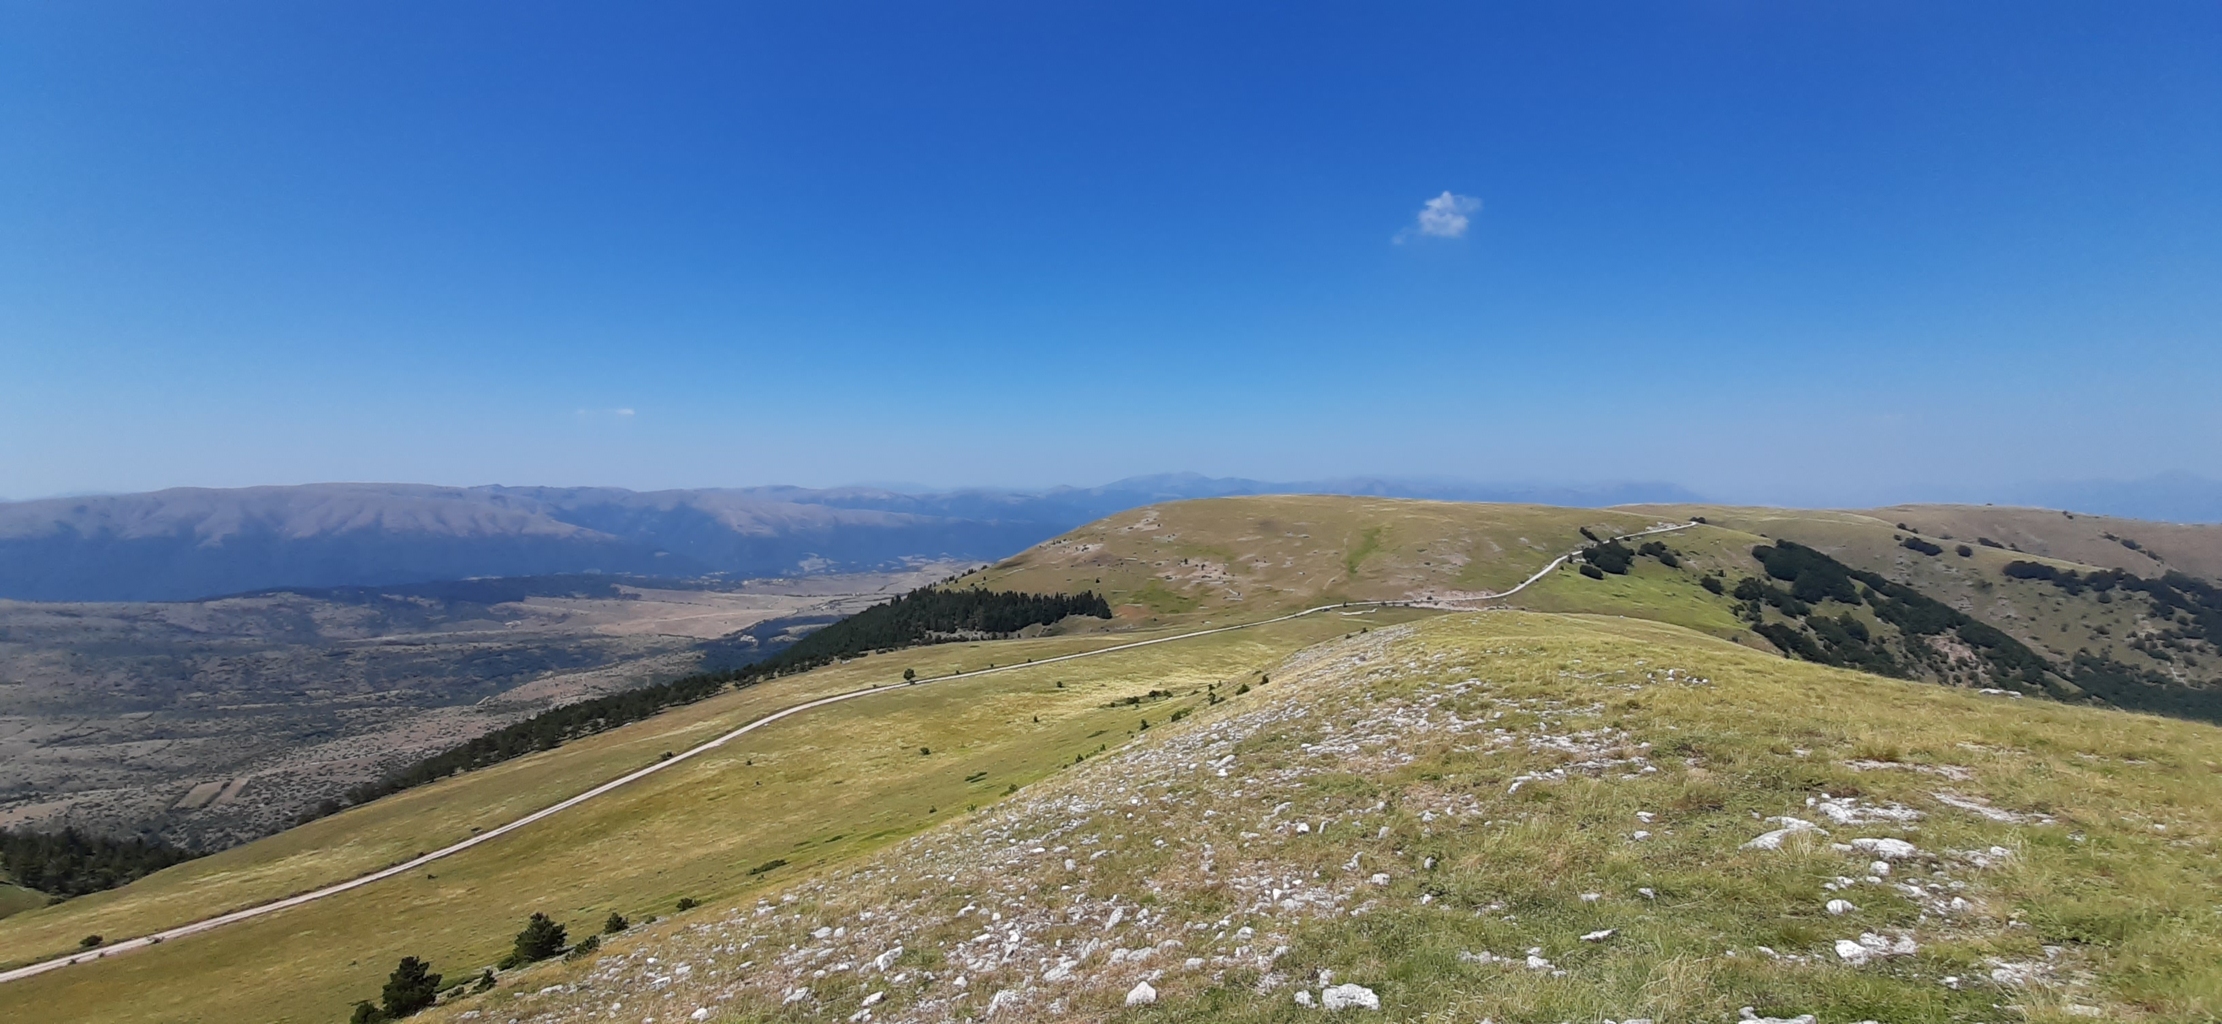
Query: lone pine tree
{"points": [[541, 939], [410, 988]]}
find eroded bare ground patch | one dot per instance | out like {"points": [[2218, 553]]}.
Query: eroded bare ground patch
{"points": [[1510, 818]]}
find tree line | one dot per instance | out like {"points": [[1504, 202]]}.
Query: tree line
{"points": [[2194, 602], [933, 616], [2144, 689], [1842, 640], [73, 863], [2191, 607]]}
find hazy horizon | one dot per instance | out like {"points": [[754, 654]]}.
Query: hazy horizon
{"points": [[2174, 497]]}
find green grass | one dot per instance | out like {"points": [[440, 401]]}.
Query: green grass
{"points": [[15, 899], [812, 791], [1653, 591], [1157, 598], [2040, 615], [813, 797], [2120, 881], [1254, 557], [1369, 543]]}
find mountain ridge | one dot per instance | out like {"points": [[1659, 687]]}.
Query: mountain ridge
{"points": [[190, 543]]}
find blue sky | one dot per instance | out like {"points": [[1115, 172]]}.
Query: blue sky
{"points": [[1788, 252]]}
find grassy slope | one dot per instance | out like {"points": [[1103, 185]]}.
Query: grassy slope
{"points": [[1397, 749], [2073, 536], [1189, 561], [696, 830], [2068, 536], [822, 787], [1395, 546], [2037, 613], [1651, 590], [1254, 556], [15, 899]]}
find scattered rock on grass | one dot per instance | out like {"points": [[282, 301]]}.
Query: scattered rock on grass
{"points": [[1887, 849], [1790, 827], [1349, 997]]}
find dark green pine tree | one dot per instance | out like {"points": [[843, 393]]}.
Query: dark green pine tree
{"points": [[541, 939], [410, 988]]}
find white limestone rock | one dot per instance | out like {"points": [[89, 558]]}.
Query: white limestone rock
{"points": [[1349, 997], [1887, 849], [1790, 827]]}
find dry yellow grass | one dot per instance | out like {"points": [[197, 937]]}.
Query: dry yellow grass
{"points": [[1402, 802], [832, 790], [1258, 556], [810, 791]]}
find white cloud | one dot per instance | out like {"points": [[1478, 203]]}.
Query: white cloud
{"points": [[605, 414], [1445, 216]]}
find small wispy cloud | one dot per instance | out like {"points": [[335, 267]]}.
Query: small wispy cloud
{"points": [[1445, 216], [606, 414]]}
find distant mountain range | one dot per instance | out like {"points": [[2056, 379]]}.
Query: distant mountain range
{"points": [[2167, 498], [189, 543]]}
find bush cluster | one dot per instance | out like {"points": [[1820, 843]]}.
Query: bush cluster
{"points": [[413, 986], [1612, 556], [1659, 550]]}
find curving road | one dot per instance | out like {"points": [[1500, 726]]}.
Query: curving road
{"points": [[489, 835]]}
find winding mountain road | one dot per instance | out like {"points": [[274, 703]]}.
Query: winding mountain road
{"points": [[249, 913]]}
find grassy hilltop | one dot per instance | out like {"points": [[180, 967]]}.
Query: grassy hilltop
{"points": [[824, 795], [1514, 817], [1969, 570], [1251, 557], [1270, 555]]}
